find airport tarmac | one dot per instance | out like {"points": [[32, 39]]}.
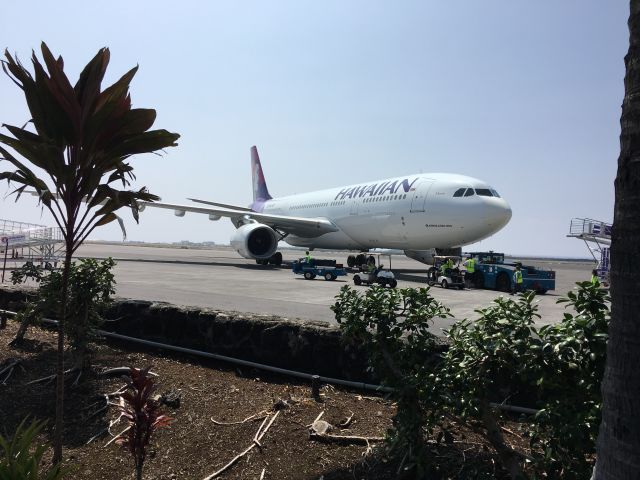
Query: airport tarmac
{"points": [[219, 278]]}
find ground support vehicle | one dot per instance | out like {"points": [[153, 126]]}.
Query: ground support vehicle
{"points": [[492, 272], [450, 278], [378, 276], [328, 269]]}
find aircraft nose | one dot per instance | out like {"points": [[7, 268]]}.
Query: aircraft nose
{"points": [[499, 212]]}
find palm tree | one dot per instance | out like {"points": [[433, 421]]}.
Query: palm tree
{"points": [[81, 139], [619, 439]]}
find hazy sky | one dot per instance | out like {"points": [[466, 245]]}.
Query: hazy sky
{"points": [[524, 95]]}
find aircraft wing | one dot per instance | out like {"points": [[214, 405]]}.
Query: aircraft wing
{"points": [[299, 226]]}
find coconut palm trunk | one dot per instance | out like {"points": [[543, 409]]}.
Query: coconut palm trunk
{"points": [[618, 449]]}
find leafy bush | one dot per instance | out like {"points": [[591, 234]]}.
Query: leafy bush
{"points": [[21, 460], [500, 357], [572, 361], [393, 327], [91, 284]]}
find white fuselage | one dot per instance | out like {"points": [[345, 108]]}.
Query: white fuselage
{"points": [[414, 212]]}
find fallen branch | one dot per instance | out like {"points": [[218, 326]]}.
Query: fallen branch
{"points": [[112, 372], [256, 442], [255, 416], [118, 436], [317, 418], [269, 426], [344, 439], [96, 436], [50, 377], [345, 423], [10, 365]]}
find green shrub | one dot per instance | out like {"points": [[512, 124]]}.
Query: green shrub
{"points": [[393, 327], [500, 357], [21, 458]]}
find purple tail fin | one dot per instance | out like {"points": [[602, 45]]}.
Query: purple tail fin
{"points": [[260, 190]]}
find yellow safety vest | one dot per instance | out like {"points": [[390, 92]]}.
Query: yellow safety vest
{"points": [[518, 275], [471, 265]]}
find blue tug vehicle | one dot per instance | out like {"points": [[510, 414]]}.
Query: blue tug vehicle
{"points": [[492, 272]]}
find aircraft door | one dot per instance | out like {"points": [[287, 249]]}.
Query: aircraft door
{"points": [[353, 209], [420, 196]]}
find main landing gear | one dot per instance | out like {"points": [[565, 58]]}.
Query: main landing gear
{"points": [[275, 259], [357, 261]]}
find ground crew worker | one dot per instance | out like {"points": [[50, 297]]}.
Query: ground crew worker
{"points": [[470, 265], [517, 280], [307, 257], [371, 266], [446, 265], [595, 281]]}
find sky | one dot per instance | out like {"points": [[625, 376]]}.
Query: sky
{"points": [[523, 95]]}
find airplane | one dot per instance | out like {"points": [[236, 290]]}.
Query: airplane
{"points": [[423, 215]]}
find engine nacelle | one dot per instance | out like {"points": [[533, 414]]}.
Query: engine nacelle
{"points": [[255, 240], [423, 256], [426, 256]]}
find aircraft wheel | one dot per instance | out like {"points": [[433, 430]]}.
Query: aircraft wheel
{"points": [[542, 292], [445, 284], [503, 283], [328, 276], [360, 259], [309, 275], [351, 261], [276, 259], [357, 280]]}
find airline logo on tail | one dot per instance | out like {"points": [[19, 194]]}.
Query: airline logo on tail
{"points": [[260, 190]]}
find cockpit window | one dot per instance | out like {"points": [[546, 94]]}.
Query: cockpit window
{"points": [[459, 192], [495, 194], [484, 192], [469, 192]]}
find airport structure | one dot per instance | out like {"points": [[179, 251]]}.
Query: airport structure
{"points": [[35, 243], [597, 237]]}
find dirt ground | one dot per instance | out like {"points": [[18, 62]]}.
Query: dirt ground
{"points": [[194, 446]]}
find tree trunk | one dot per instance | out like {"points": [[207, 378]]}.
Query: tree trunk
{"points": [[57, 439], [508, 457], [618, 448], [24, 325]]}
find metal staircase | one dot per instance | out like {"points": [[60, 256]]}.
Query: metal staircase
{"points": [[597, 237], [30, 242]]}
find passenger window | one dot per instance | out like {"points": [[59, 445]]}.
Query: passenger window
{"points": [[459, 192], [484, 192], [469, 192]]}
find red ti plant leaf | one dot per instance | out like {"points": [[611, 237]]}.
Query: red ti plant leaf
{"points": [[143, 414]]}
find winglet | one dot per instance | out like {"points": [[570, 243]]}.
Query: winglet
{"points": [[260, 190]]}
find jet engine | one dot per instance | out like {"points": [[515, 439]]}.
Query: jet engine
{"points": [[255, 240], [423, 256]]}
